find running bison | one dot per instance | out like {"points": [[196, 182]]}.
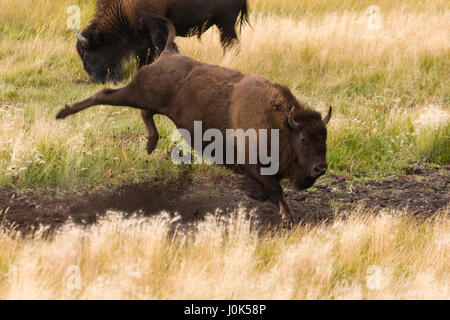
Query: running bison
{"points": [[186, 90], [118, 30]]}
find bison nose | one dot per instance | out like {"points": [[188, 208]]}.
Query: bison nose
{"points": [[319, 170]]}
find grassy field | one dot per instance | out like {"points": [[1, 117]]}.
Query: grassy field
{"points": [[388, 85], [388, 81]]}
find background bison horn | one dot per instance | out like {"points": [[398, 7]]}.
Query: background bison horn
{"points": [[82, 38], [291, 120], [328, 117]]}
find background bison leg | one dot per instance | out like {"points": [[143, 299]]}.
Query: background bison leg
{"points": [[226, 25], [157, 34], [146, 54], [153, 135], [159, 38]]}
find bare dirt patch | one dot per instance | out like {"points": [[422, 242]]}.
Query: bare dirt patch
{"points": [[422, 192]]}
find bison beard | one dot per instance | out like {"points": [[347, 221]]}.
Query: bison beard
{"points": [[119, 30], [186, 90]]}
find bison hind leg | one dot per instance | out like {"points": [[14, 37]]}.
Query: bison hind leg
{"points": [[153, 135], [151, 144]]}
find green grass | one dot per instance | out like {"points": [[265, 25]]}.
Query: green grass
{"points": [[434, 146], [380, 83]]}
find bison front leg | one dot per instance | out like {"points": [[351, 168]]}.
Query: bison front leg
{"points": [[153, 135], [258, 192], [275, 192], [272, 191]]}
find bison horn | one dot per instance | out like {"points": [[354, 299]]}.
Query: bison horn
{"points": [[292, 123], [84, 41], [328, 117]]}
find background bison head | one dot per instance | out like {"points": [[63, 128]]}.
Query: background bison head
{"points": [[101, 56], [308, 140]]}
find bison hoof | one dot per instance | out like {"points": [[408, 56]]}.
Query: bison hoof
{"points": [[151, 145], [63, 112], [287, 220]]}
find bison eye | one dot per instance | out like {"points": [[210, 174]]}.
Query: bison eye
{"points": [[302, 137]]}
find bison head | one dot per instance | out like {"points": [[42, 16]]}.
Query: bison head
{"points": [[308, 140], [101, 56]]}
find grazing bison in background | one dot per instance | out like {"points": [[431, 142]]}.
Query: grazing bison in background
{"points": [[118, 30], [186, 90]]}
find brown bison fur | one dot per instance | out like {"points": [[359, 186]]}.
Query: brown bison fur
{"points": [[119, 29], [186, 90]]}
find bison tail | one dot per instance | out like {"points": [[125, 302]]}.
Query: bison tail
{"points": [[244, 15]]}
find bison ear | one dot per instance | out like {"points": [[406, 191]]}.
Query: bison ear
{"points": [[328, 117], [83, 40]]}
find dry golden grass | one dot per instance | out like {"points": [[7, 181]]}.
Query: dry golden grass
{"points": [[314, 7], [340, 38], [361, 255]]}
